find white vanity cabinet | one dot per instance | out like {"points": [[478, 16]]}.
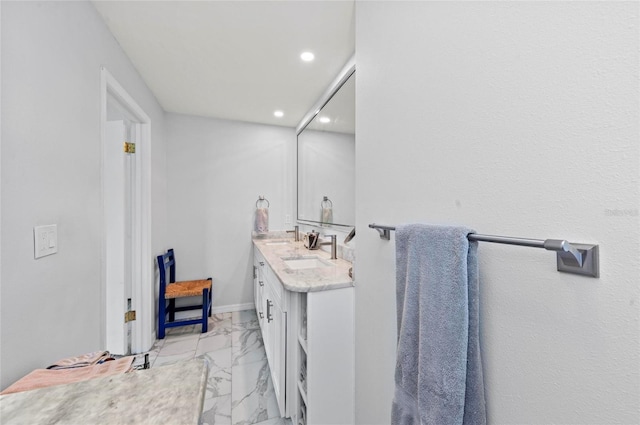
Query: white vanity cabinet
{"points": [[271, 309], [307, 325]]}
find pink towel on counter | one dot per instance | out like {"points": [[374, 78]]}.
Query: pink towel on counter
{"points": [[83, 360], [41, 378]]}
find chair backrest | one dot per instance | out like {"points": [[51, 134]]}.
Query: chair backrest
{"points": [[164, 261]]}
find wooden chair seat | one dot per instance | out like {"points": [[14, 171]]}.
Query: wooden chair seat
{"points": [[187, 288]]}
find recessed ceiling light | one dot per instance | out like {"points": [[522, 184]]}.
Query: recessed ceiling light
{"points": [[325, 120], [278, 114], [307, 56]]}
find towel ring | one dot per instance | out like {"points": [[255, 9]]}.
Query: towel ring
{"points": [[262, 199], [326, 203]]}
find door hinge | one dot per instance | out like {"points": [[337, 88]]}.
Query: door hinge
{"points": [[129, 316], [129, 147]]}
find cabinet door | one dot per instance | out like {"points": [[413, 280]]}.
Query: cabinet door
{"points": [[277, 349], [258, 289], [267, 333], [330, 357]]}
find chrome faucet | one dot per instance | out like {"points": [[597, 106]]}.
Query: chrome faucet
{"points": [[332, 242], [296, 233]]}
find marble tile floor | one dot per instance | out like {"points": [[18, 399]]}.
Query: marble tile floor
{"points": [[239, 389]]}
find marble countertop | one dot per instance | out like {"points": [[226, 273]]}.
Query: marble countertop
{"points": [[172, 394], [303, 280]]}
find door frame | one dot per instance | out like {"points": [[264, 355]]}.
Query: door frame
{"points": [[143, 283]]}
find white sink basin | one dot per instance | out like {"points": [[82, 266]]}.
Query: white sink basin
{"points": [[277, 243], [299, 263]]}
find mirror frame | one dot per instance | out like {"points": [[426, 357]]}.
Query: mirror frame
{"points": [[347, 71]]}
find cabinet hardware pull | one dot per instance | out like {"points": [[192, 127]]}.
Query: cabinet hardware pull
{"points": [[261, 283], [269, 317], [262, 263], [261, 315], [255, 274]]}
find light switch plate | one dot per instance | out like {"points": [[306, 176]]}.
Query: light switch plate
{"points": [[45, 240]]}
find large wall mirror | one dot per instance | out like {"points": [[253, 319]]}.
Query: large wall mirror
{"points": [[326, 161]]}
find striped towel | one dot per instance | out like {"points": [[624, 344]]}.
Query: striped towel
{"points": [[41, 378]]}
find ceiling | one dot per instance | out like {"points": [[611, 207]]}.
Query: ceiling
{"points": [[237, 60]]}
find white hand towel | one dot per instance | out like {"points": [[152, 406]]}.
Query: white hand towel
{"points": [[327, 215], [262, 220]]}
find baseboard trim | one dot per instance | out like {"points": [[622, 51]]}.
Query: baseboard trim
{"points": [[231, 308]]}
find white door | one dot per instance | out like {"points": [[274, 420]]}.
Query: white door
{"points": [[119, 168], [127, 257]]}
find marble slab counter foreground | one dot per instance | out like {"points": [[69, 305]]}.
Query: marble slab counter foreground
{"points": [[304, 280], [172, 394]]}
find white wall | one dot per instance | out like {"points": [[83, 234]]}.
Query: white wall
{"points": [[216, 171], [51, 58], [519, 119]]}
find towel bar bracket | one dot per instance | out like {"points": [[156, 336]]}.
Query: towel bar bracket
{"points": [[384, 231], [571, 255], [589, 264]]}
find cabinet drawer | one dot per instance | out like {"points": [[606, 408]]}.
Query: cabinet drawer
{"points": [[258, 258], [275, 286]]}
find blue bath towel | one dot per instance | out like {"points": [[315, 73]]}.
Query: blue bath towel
{"points": [[438, 367]]}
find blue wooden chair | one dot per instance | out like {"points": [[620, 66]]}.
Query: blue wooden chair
{"points": [[170, 290]]}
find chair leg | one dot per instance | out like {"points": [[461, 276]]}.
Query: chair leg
{"points": [[210, 299], [205, 307], [172, 310], [162, 316]]}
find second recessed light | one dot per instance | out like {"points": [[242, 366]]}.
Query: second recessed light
{"points": [[278, 114], [307, 56]]}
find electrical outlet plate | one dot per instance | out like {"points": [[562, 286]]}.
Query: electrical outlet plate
{"points": [[45, 240]]}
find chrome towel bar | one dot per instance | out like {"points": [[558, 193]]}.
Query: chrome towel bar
{"points": [[571, 257]]}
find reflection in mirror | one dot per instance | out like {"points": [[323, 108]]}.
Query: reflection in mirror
{"points": [[326, 162]]}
